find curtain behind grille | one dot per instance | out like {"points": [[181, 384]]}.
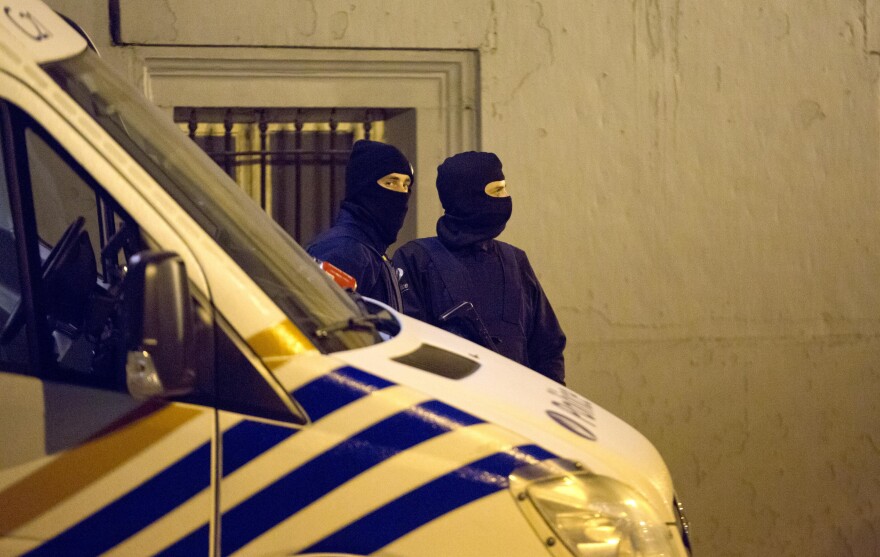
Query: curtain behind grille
{"points": [[307, 180]]}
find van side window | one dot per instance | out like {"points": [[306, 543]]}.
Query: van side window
{"points": [[80, 239], [246, 388]]}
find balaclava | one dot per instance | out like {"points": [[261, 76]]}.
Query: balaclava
{"points": [[471, 215], [383, 209]]}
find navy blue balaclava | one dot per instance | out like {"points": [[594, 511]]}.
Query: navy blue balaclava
{"points": [[381, 208], [471, 215]]}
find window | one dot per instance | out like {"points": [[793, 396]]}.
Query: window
{"points": [[439, 89], [290, 160], [77, 241], [81, 240]]}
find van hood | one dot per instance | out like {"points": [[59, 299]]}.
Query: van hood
{"points": [[497, 390]]}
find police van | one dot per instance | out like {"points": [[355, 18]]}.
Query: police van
{"points": [[178, 377]]}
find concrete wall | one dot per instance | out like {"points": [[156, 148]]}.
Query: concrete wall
{"points": [[702, 189]]}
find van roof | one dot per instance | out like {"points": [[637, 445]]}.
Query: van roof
{"points": [[38, 32]]}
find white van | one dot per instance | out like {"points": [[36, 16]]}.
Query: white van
{"points": [[178, 377]]}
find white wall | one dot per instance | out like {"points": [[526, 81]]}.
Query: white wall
{"points": [[701, 181]]}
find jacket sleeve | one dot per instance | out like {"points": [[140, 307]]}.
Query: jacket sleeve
{"points": [[546, 341], [354, 259], [411, 266]]}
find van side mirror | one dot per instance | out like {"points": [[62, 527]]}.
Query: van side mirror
{"points": [[159, 326]]}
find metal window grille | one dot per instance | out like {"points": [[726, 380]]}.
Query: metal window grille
{"points": [[290, 160]]}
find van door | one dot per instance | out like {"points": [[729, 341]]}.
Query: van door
{"points": [[84, 468]]}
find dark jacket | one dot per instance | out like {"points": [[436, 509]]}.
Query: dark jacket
{"points": [[354, 246], [500, 282]]}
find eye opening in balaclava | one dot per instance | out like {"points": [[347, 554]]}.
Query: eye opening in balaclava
{"points": [[395, 182], [471, 214], [498, 188], [380, 208]]}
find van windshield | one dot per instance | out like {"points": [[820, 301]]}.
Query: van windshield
{"points": [[253, 240]]}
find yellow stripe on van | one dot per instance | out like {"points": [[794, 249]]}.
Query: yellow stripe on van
{"points": [[275, 344], [80, 467]]}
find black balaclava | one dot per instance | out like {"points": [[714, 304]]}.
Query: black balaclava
{"points": [[383, 209], [472, 215]]}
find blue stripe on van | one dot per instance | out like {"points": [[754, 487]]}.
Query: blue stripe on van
{"points": [[184, 479], [248, 440], [336, 389], [197, 543], [136, 510], [429, 502], [326, 472], [326, 394]]}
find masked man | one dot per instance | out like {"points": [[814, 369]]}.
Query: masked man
{"points": [[378, 179], [472, 285]]}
